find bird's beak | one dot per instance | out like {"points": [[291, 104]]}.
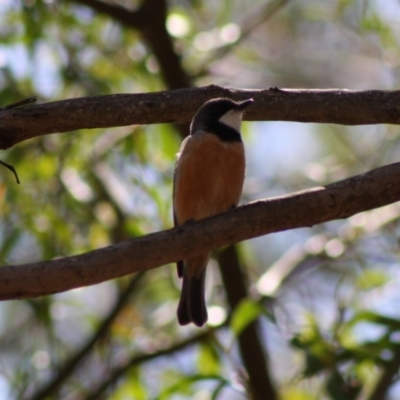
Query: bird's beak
{"points": [[244, 104]]}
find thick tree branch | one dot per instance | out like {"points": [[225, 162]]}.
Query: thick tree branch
{"points": [[323, 106], [302, 209]]}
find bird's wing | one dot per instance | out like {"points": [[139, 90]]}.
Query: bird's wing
{"points": [[179, 264]]}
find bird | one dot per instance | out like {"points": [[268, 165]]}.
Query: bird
{"points": [[208, 180]]}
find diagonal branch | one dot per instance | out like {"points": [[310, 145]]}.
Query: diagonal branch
{"points": [[302, 209], [323, 106]]}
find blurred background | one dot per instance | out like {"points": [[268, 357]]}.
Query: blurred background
{"points": [[317, 312]]}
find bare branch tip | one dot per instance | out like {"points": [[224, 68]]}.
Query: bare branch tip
{"points": [[19, 103], [12, 169]]}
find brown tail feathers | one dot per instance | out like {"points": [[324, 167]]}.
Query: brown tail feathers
{"points": [[192, 307]]}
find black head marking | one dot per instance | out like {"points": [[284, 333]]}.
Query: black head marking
{"points": [[209, 114]]}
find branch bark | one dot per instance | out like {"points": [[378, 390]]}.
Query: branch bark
{"points": [[302, 209], [302, 105]]}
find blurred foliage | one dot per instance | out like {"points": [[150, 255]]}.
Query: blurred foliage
{"points": [[330, 313]]}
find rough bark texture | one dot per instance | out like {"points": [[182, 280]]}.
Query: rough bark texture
{"points": [[322, 106]]}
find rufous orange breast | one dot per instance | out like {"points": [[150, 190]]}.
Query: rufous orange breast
{"points": [[209, 177]]}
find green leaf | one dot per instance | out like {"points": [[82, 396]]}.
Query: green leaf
{"points": [[371, 279], [209, 360], [185, 385], [132, 388], [244, 314], [319, 353]]}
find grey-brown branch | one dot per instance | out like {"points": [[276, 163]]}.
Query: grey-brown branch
{"points": [[302, 209], [322, 106]]}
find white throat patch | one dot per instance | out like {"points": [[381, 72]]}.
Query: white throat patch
{"points": [[232, 118]]}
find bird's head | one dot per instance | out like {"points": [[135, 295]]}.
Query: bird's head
{"points": [[215, 112]]}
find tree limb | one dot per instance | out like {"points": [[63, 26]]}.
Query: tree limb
{"points": [[322, 106], [150, 20], [301, 209]]}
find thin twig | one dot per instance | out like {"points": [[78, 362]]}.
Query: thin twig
{"points": [[12, 169], [18, 104]]}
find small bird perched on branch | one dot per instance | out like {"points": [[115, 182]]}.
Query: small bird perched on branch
{"points": [[208, 180]]}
